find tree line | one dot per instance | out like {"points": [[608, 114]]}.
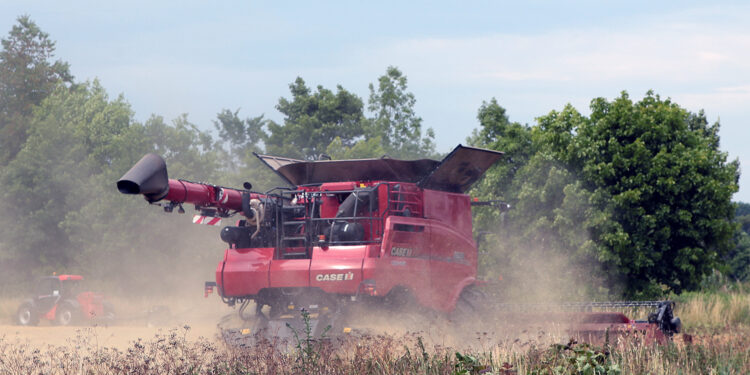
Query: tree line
{"points": [[637, 195]]}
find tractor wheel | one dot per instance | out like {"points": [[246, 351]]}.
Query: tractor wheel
{"points": [[27, 315], [65, 314]]}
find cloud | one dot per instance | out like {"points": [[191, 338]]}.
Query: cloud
{"points": [[698, 57], [665, 54]]}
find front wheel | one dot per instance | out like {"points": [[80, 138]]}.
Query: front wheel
{"points": [[27, 315], [65, 315]]}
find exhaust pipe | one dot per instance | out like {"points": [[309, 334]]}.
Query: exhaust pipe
{"points": [[148, 177]]}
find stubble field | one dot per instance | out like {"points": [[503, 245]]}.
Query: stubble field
{"points": [[716, 340]]}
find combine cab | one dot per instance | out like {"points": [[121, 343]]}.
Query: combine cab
{"points": [[370, 231]]}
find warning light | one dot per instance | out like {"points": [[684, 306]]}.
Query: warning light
{"points": [[476, 199]]}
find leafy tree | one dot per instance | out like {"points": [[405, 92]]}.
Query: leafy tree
{"points": [[324, 122], [72, 136], [742, 215], [638, 194], [496, 132], [737, 261], [660, 170], [243, 137], [394, 120], [366, 148], [27, 76], [127, 241], [313, 120], [65, 213]]}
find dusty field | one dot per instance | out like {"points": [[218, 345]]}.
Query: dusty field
{"points": [[201, 315], [119, 337]]}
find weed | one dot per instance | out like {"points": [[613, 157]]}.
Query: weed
{"points": [[468, 364], [308, 347]]}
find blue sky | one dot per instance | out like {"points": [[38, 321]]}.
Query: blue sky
{"points": [[198, 57]]}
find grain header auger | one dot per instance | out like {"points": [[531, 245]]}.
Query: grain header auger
{"points": [[349, 233]]}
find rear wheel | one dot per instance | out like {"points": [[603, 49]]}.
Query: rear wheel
{"points": [[27, 315], [65, 315]]}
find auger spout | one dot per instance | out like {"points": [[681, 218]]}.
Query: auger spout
{"points": [[148, 177]]}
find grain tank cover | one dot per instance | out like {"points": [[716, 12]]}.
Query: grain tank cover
{"points": [[315, 172], [456, 173], [460, 169]]}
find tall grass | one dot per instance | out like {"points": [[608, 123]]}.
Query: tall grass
{"points": [[725, 352], [714, 309]]}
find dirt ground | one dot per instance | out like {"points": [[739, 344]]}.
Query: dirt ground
{"points": [[201, 315], [119, 337]]}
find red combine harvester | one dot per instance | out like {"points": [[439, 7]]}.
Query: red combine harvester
{"points": [[351, 232], [61, 300]]}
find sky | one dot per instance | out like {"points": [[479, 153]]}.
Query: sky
{"points": [[199, 57]]}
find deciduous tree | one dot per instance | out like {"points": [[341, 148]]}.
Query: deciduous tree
{"points": [[313, 120], [394, 120], [639, 193], [27, 76]]}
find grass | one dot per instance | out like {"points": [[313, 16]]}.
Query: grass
{"points": [[700, 310]]}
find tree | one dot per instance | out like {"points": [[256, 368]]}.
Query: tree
{"points": [[496, 132], [243, 138], [394, 120], [73, 136], [742, 215], [63, 212], [313, 120], [737, 261], [27, 76], [366, 148], [637, 195], [659, 169]]}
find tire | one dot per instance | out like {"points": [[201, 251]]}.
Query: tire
{"points": [[27, 315], [66, 314]]}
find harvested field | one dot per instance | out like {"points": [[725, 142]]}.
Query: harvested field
{"points": [[189, 344]]}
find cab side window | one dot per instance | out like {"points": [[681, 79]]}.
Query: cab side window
{"points": [[47, 286]]}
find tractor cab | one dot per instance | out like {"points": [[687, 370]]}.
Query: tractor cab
{"points": [[50, 289]]}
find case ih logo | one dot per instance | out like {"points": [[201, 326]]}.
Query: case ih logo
{"points": [[401, 252], [335, 276]]}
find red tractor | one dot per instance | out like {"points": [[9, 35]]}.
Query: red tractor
{"points": [[61, 300], [345, 232]]}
